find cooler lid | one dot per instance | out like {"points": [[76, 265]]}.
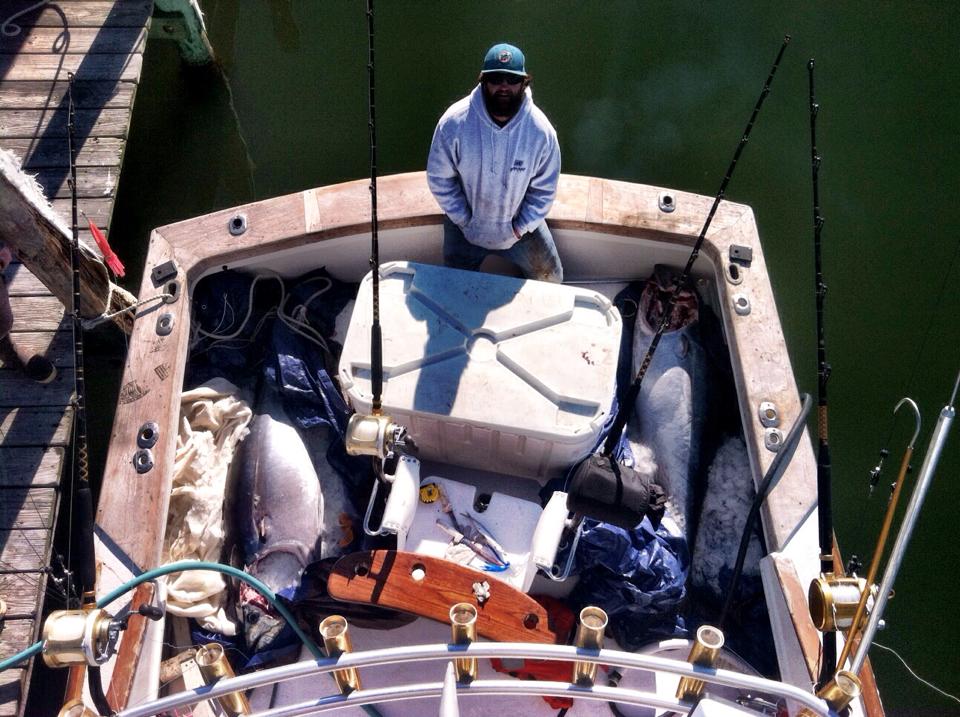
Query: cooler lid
{"points": [[521, 355]]}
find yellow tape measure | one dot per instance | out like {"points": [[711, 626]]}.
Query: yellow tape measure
{"points": [[429, 492]]}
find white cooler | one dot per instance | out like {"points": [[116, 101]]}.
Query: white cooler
{"points": [[486, 371]]}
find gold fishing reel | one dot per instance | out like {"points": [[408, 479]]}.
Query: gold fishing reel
{"points": [[79, 637], [370, 435], [833, 601], [377, 435]]}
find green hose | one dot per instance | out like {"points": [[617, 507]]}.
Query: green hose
{"points": [[21, 656], [180, 566], [219, 568], [176, 568]]}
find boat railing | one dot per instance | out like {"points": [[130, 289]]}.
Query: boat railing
{"points": [[515, 650]]}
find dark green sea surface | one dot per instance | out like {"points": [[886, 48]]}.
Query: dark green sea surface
{"points": [[657, 93]]}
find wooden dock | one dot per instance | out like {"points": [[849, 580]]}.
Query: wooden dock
{"points": [[101, 42]]}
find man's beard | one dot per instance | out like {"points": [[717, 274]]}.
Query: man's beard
{"points": [[499, 105]]}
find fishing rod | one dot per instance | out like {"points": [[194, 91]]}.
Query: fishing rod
{"points": [[934, 449], [845, 684], [824, 483], [600, 486], [624, 410], [376, 337], [376, 434], [86, 567], [882, 538]]}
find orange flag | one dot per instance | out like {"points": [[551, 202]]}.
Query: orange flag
{"points": [[113, 261]]}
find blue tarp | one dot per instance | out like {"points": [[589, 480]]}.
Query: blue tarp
{"points": [[637, 576]]}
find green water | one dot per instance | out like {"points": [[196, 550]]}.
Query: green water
{"points": [[659, 94]]}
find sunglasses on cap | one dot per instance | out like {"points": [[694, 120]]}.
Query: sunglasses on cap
{"points": [[499, 78]]}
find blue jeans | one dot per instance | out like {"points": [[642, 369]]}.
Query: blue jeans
{"points": [[534, 253]]}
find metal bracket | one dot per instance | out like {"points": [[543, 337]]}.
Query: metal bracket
{"points": [[741, 304], [773, 439], [148, 434], [143, 460], [165, 324], [667, 202], [163, 272], [741, 254], [237, 224]]}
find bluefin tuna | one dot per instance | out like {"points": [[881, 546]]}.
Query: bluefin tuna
{"points": [[672, 405], [277, 511]]}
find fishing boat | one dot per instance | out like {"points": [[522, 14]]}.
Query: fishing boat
{"points": [[533, 383]]}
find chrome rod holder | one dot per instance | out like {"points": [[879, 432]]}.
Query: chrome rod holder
{"points": [[214, 666], [463, 626], [590, 631], [704, 653], [336, 641]]}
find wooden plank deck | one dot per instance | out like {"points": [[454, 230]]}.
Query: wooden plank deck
{"points": [[102, 43]]}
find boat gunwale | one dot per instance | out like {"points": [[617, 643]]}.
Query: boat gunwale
{"points": [[154, 370]]}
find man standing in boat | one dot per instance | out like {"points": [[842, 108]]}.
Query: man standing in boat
{"points": [[493, 168]]}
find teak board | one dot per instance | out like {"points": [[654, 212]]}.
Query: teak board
{"points": [[389, 578]]}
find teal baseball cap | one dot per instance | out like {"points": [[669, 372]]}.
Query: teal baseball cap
{"points": [[504, 58]]}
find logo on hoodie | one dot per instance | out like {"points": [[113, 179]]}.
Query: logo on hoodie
{"points": [[518, 166]]}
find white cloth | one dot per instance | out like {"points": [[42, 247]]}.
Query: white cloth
{"points": [[213, 420]]}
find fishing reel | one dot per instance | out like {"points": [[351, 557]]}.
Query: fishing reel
{"points": [[378, 436], [833, 601], [85, 637]]}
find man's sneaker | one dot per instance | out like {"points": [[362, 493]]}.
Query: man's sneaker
{"points": [[40, 369]]}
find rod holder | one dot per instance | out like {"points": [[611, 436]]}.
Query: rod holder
{"points": [[463, 626], [76, 708], [336, 641], [590, 630], [704, 653], [833, 601], [838, 693], [214, 666]]}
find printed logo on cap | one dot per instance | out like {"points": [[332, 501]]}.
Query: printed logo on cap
{"points": [[505, 56]]}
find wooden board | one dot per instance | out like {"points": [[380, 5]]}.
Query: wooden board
{"points": [[387, 578], [50, 40], [27, 508], [94, 152], [97, 210], [88, 13], [37, 428], [16, 390], [92, 183], [10, 688], [114, 67], [55, 345], [52, 122], [37, 313], [23, 592], [38, 94], [31, 464]]}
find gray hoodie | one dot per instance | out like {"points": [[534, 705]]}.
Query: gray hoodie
{"points": [[490, 179]]}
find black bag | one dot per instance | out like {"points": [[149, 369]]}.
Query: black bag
{"points": [[603, 489]]}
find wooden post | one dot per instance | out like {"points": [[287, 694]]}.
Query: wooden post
{"points": [[41, 240]]}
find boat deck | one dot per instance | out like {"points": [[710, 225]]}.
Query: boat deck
{"points": [[101, 42]]}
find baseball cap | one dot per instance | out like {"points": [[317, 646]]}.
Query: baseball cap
{"points": [[504, 58]]}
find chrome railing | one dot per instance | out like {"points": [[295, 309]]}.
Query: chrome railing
{"points": [[522, 650]]}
